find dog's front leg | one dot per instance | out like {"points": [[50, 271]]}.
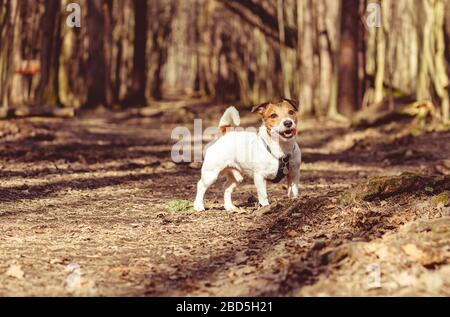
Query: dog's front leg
{"points": [[293, 181], [261, 188]]}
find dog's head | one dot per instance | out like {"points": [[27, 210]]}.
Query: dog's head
{"points": [[280, 118]]}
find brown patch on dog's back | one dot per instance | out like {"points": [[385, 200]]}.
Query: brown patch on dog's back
{"points": [[224, 129]]}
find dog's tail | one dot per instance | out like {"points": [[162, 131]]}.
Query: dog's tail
{"points": [[229, 119]]}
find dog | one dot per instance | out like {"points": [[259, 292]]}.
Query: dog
{"points": [[268, 155]]}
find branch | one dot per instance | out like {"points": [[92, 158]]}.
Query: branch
{"points": [[268, 23]]}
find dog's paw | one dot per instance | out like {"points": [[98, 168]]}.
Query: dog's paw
{"points": [[292, 193], [231, 208], [199, 207]]}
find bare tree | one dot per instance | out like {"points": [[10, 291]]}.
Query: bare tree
{"points": [[50, 51], [348, 100], [96, 73], [6, 37], [162, 15], [136, 93]]}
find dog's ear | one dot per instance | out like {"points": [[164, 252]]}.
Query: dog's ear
{"points": [[293, 103], [260, 108]]}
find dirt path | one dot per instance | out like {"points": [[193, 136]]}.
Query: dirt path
{"points": [[93, 193]]}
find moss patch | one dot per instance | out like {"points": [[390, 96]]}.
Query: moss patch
{"points": [[382, 187], [441, 200], [180, 205]]}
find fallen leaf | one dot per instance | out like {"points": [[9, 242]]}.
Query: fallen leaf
{"points": [[195, 165], [292, 234], [15, 271], [284, 262], [413, 251], [231, 274], [434, 282], [57, 261], [126, 270], [168, 165], [384, 253], [405, 279]]}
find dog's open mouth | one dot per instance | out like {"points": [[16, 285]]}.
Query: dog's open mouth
{"points": [[288, 133]]}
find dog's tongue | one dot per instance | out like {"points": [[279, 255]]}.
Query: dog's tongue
{"points": [[290, 133]]}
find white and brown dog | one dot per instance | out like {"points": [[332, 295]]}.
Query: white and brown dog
{"points": [[271, 154]]}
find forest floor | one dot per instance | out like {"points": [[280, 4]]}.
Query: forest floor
{"points": [[95, 206]]}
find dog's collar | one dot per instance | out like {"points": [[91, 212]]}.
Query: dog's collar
{"points": [[283, 163]]}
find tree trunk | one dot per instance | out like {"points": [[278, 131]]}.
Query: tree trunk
{"points": [[283, 53], [380, 49], [333, 112], [425, 27], [17, 87], [6, 36], [96, 71], [108, 49], [300, 5], [440, 76], [50, 51], [447, 34], [164, 14], [348, 100], [136, 94]]}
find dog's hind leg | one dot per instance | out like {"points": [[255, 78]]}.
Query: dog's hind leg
{"points": [[229, 187], [208, 178], [233, 178], [237, 175], [261, 187]]}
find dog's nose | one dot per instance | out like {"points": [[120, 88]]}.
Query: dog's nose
{"points": [[288, 124]]}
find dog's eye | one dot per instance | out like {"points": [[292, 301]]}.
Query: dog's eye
{"points": [[292, 112], [274, 116]]}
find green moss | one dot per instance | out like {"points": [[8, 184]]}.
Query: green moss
{"points": [[347, 198], [441, 199], [387, 186], [179, 205]]}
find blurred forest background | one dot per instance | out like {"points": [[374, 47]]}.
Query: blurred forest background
{"points": [[88, 183], [324, 53]]}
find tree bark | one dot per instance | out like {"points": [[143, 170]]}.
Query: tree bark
{"points": [[447, 34], [380, 48], [50, 51], [440, 76], [165, 12], [6, 16], [96, 71], [348, 94], [136, 94], [16, 87]]}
